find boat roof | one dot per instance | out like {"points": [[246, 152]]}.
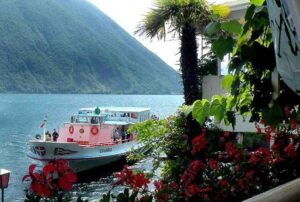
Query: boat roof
{"points": [[88, 115], [117, 109], [118, 123]]}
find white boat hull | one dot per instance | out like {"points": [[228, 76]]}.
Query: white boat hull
{"points": [[80, 157]]}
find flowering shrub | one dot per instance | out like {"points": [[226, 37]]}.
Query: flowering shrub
{"points": [[218, 168], [136, 182], [55, 178]]}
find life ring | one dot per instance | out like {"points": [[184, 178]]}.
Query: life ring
{"points": [[94, 130], [71, 129]]}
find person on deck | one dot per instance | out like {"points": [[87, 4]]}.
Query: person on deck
{"points": [[116, 135], [123, 132], [55, 135], [48, 135]]}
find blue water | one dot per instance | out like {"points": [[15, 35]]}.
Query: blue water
{"points": [[21, 115]]}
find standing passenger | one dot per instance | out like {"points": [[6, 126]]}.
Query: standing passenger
{"points": [[54, 135], [116, 135], [123, 131]]}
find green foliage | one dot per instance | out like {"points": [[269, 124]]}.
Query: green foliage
{"points": [[220, 107], [222, 46], [231, 27], [252, 61], [212, 28], [51, 47], [169, 16], [152, 134], [200, 110], [257, 2], [227, 82], [162, 137], [273, 115]]}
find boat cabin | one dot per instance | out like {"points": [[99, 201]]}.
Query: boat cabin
{"points": [[100, 126], [127, 114]]}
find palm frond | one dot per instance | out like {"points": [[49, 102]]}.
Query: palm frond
{"points": [[172, 15]]}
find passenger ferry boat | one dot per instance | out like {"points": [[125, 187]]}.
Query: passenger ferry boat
{"points": [[89, 139]]}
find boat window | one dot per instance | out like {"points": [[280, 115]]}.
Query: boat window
{"points": [[82, 119]]}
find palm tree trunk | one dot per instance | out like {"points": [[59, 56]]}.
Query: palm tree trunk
{"points": [[190, 77], [189, 65]]}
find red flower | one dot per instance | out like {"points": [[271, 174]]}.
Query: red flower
{"points": [[226, 134], [294, 123], [173, 185], [258, 129], [196, 166], [43, 184], [223, 183], [127, 178], [275, 147], [268, 137], [160, 194], [192, 190], [242, 183], [249, 174], [278, 159], [66, 181], [199, 143], [260, 156], [286, 111], [232, 151], [290, 151], [206, 189], [213, 164]]}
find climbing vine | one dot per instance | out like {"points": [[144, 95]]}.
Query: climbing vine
{"points": [[252, 62]]}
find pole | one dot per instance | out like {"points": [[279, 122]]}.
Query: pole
{"points": [[2, 190]]}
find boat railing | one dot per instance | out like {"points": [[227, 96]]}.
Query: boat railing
{"points": [[112, 143]]}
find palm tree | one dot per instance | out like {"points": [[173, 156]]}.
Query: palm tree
{"points": [[186, 18]]}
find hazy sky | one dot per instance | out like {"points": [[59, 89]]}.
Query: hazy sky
{"points": [[128, 14]]}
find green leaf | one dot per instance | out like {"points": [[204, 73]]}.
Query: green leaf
{"points": [[250, 12], [298, 117], [232, 27], [212, 28], [186, 109], [257, 2], [227, 82], [217, 109], [231, 102], [200, 110], [273, 116], [230, 119], [222, 46]]}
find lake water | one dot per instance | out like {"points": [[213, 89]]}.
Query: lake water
{"points": [[21, 115]]}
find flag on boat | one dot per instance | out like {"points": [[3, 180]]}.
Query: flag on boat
{"points": [[44, 122]]}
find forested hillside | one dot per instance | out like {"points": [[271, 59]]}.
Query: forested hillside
{"points": [[69, 46]]}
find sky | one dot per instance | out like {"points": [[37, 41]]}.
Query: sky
{"points": [[128, 14]]}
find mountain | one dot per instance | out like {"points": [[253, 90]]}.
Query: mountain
{"points": [[70, 46]]}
